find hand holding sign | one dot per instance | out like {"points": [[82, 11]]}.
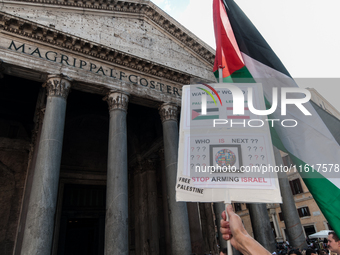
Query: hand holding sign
{"points": [[233, 230]]}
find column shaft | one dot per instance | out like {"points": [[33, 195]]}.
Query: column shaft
{"points": [[116, 220], [211, 228], [261, 226], [39, 226], [179, 224], [39, 116], [219, 208], [289, 213], [195, 228], [204, 224]]}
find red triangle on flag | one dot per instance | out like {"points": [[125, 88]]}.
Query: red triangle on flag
{"points": [[194, 114]]}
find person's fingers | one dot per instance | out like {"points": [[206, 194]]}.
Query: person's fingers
{"points": [[224, 217], [226, 237], [224, 224], [230, 210], [225, 230]]}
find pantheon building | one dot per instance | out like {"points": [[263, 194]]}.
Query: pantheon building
{"points": [[90, 98]]}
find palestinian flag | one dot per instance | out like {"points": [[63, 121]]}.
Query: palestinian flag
{"points": [[212, 113], [244, 54], [228, 55]]}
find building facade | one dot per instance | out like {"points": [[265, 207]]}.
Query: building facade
{"points": [[90, 95]]}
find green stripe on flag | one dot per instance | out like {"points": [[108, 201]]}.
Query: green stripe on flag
{"points": [[319, 186], [225, 79], [324, 192], [240, 76], [207, 117]]}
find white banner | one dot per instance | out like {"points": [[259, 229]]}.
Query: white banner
{"points": [[225, 157]]}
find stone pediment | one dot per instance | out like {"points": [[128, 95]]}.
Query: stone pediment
{"points": [[136, 34], [51, 36]]}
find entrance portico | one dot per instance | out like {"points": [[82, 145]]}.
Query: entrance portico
{"points": [[108, 122]]}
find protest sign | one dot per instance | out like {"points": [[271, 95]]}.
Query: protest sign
{"points": [[224, 156]]}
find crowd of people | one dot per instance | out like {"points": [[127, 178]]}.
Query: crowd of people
{"points": [[309, 251], [234, 231], [314, 248]]}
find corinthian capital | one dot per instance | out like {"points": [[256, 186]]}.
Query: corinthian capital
{"points": [[168, 111], [117, 100], [58, 85]]}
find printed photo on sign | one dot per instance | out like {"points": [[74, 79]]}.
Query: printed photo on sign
{"points": [[226, 156]]}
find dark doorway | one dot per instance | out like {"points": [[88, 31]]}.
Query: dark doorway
{"points": [[82, 223], [81, 236]]}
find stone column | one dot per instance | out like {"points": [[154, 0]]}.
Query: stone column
{"points": [[196, 234], [43, 198], [261, 226], [205, 229], [211, 231], [289, 213], [116, 221], [219, 208], [32, 157], [179, 224]]}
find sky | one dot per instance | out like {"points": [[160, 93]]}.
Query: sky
{"points": [[304, 34]]}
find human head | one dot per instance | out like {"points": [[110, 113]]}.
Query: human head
{"points": [[311, 252], [294, 252], [322, 252], [224, 251], [333, 242]]}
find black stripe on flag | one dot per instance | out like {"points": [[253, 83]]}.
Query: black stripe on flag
{"points": [[249, 40], [208, 110]]}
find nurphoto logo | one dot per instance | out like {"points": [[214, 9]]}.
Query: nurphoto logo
{"points": [[239, 100]]}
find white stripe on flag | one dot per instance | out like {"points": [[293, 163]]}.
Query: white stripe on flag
{"points": [[310, 140]]}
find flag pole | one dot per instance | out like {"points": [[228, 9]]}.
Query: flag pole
{"points": [[220, 74], [230, 249], [220, 80]]}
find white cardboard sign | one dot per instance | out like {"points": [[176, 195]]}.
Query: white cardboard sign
{"points": [[233, 161]]}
